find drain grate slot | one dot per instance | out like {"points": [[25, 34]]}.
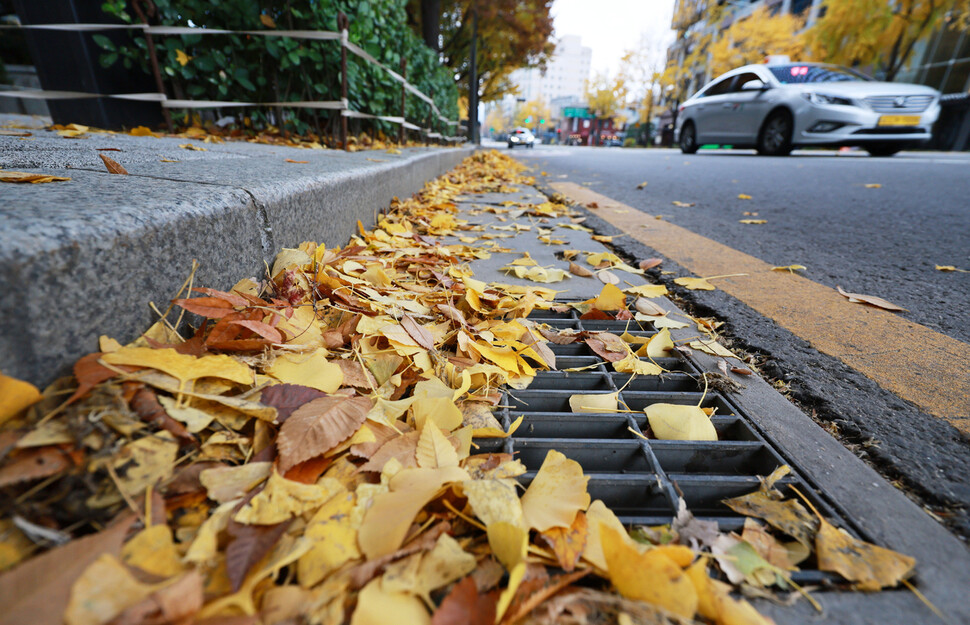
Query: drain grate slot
{"points": [[639, 477]]}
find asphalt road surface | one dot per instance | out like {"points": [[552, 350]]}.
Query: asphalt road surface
{"points": [[880, 240]]}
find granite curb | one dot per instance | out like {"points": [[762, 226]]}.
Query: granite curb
{"points": [[80, 256]]}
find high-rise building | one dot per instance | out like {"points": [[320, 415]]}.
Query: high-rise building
{"points": [[565, 75]]}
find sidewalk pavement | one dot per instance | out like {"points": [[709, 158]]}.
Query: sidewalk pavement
{"points": [[79, 256]]}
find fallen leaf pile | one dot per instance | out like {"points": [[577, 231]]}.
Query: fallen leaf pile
{"points": [[306, 454]]}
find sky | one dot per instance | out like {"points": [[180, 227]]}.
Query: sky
{"points": [[611, 27]]}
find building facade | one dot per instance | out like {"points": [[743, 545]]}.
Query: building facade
{"points": [[565, 75]]}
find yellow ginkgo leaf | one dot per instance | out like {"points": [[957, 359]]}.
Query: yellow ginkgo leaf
{"points": [[695, 284], [537, 274], [505, 599], [632, 364], [556, 494], [676, 422], [153, 551], [524, 261], [494, 501], [182, 58], [334, 539], [224, 484], [610, 298], [493, 432], [509, 543], [595, 402], [282, 499], [744, 196], [651, 576], [434, 450], [387, 520], [711, 347], [702, 284], [873, 185], [182, 366], [599, 258], [660, 345], [648, 290], [790, 268], [103, 591], [376, 606], [15, 396], [313, 370]]}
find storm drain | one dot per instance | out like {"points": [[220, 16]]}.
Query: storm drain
{"points": [[641, 479]]}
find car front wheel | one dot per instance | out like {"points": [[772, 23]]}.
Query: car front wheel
{"points": [[688, 138], [511, 145], [775, 137]]}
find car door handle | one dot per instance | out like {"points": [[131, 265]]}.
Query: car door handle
{"points": [[727, 105]]}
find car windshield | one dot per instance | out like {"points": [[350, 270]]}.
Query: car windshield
{"points": [[798, 74]]}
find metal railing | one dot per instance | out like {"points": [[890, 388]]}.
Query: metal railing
{"points": [[166, 103]]}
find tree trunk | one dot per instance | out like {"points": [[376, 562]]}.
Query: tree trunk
{"points": [[431, 23]]}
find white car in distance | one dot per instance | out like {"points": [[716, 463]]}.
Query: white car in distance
{"points": [[778, 106]]}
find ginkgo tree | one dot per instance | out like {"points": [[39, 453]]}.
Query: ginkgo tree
{"points": [[605, 96], [751, 39], [881, 34]]}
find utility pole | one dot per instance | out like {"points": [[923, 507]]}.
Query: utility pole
{"points": [[473, 83]]}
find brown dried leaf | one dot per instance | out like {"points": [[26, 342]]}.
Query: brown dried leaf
{"points": [[38, 590], [113, 166], [355, 375], [264, 330], [249, 544], [145, 404], [288, 397], [421, 336], [464, 606], [650, 263], [401, 447], [174, 604], [318, 426], [579, 270], [208, 307], [872, 300], [608, 346], [32, 464], [607, 277], [567, 542]]}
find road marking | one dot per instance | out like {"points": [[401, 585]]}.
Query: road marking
{"points": [[930, 369]]}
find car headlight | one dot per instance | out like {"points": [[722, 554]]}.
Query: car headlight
{"points": [[514, 139], [821, 98]]}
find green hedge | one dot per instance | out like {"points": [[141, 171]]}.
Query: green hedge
{"points": [[279, 69]]}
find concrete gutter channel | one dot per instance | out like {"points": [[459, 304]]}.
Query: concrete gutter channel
{"points": [[82, 257]]}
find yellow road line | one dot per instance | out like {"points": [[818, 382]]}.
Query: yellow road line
{"points": [[916, 363]]}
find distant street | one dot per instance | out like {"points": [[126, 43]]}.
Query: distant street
{"points": [[878, 240]]}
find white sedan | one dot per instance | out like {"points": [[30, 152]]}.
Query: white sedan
{"points": [[777, 107]]}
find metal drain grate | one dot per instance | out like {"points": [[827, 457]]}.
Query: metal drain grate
{"points": [[640, 480]]}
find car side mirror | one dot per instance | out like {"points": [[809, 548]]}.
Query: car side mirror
{"points": [[755, 85]]}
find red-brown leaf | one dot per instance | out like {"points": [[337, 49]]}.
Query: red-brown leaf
{"points": [[233, 298], [602, 343], [113, 166], [650, 263], [318, 426], [307, 472], [288, 397], [597, 315], [89, 373], [264, 330], [464, 606], [145, 404], [567, 542], [401, 448], [421, 336], [208, 307], [248, 545], [32, 464]]}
